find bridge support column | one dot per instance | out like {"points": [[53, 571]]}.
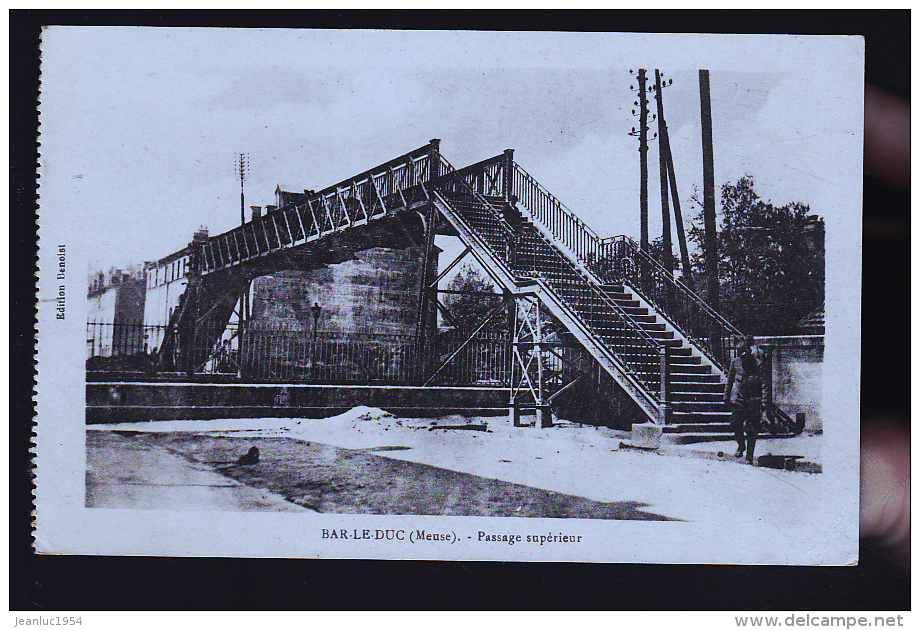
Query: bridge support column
{"points": [[426, 329], [188, 321], [527, 390], [664, 403]]}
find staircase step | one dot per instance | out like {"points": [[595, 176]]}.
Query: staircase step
{"points": [[685, 396], [684, 417], [693, 378], [695, 427], [665, 337], [699, 405], [679, 360], [695, 387], [695, 438], [690, 368]]}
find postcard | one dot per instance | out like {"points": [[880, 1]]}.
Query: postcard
{"points": [[525, 296]]}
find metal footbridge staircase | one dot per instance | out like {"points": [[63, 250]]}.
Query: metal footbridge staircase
{"points": [[659, 341]]}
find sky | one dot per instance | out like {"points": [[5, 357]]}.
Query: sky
{"points": [[140, 126]]}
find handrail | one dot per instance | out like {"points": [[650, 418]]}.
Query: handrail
{"points": [[603, 297], [604, 255], [677, 282], [632, 336], [562, 259], [480, 165], [648, 379], [625, 262], [562, 222], [455, 175], [627, 340], [358, 198], [421, 152]]}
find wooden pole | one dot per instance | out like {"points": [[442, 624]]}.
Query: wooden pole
{"points": [[667, 254], [678, 219], [711, 252], [643, 163]]}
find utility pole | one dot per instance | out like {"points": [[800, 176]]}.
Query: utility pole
{"points": [[710, 241], [667, 253], [643, 161], [643, 158], [678, 218], [243, 169]]}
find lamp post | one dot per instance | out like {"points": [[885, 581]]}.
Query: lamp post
{"points": [[315, 310]]}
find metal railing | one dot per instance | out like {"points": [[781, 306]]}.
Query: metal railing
{"points": [[125, 339], [565, 226], [259, 352], [618, 259], [625, 338], [487, 177], [394, 184], [624, 262], [477, 211]]}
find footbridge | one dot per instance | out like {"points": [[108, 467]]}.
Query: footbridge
{"points": [[579, 308]]}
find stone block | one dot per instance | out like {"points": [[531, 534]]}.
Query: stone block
{"points": [[646, 435]]}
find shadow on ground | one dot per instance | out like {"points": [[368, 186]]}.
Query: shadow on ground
{"points": [[328, 479]]}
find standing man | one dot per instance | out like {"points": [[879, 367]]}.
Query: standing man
{"points": [[744, 393]]}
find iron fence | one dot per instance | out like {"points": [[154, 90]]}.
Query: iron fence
{"points": [[292, 354]]}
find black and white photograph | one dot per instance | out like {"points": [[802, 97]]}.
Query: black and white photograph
{"points": [[449, 295]]}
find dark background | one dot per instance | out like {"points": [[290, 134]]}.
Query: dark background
{"points": [[52, 583]]}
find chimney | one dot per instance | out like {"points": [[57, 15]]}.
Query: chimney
{"points": [[270, 209], [256, 212]]}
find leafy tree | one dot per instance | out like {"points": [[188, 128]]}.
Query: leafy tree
{"points": [[656, 251], [471, 307], [771, 260]]}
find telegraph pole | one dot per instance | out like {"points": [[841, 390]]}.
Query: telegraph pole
{"points": [[667, 253], [243, 169], [643, 158], [678, 218], [709, 195]]}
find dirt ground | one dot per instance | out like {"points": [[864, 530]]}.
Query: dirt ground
{"points": [[330, 479], [366, 461]]}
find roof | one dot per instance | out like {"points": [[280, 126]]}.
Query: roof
{"points": [[813, 323]]}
